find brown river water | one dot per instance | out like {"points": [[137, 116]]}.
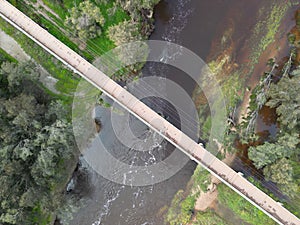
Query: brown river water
{"points": [[199, 25]]}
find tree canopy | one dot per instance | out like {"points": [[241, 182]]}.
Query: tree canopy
{"points": [[86, 20], [124, 32], [276, 159], [281, 172], [36, 142], [284, 96], [134, 7]]}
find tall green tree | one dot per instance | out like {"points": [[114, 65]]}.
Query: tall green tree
{"points": [[281, 172], [86, 20], [268, 153], [284, 96], [124, 32], [134, 7]]}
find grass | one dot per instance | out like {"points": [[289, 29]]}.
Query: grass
{"points": [[61, 8], [267, 29], [233, 90], [241, 207], [182, 207], [96, 46], [4, 56], [55, 31], [206, 128], [208, 218], [201, 178], [103, 44]]}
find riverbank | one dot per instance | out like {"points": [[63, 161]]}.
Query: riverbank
{"points": [[241, 81], [206, 182], [272, 140]]}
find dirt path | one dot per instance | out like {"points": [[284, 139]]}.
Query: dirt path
{"points": [[42, 9], [207, 199], [40, 3], [9, 45]]}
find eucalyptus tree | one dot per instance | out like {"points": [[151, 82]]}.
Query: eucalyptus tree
{"points": [[86, 20], [284, 96], [37, 148]]}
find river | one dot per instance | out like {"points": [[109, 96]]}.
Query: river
{"points": [[199, 26]]}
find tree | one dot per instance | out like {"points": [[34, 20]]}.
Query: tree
{"points": [[86, 20], [134, 7], [290, 141], [130, 5], [55, 147], [284, 96], [56, 111], [281, 172], [36, 142], [124, 32], [268, 153], [15, 76], [265, 154]]}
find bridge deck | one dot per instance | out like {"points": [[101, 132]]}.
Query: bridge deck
{"points": [[148, 116]]}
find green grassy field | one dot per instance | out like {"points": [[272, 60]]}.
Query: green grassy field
{"points": [[94, 47]]}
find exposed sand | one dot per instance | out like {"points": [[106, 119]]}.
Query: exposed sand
{"points": [[207, 199]]}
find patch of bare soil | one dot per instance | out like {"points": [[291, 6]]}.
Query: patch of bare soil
{"points": [[207, 199]]}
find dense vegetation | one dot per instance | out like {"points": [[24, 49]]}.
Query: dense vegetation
{"points": [[86, 20], [37, 149], [182, 209], [278, 157]]}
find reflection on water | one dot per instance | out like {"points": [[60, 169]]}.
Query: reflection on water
{"points": [[267, 126]]}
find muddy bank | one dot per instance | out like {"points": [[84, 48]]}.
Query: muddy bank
{"points": [[232, 55]]}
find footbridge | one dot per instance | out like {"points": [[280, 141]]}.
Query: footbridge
{"points": [[195, 151]]}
